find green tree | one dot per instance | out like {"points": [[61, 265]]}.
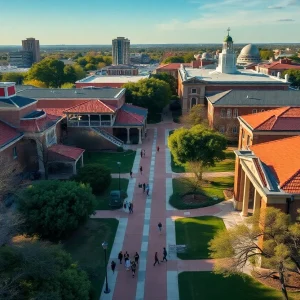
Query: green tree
{"points": [[195, 116], [270, 237], [152, 93], [35, 83], [82, 61], [174, 59], [68, 85], [266, 54], [50, 71], [198, 147], [70, 74], [53, 209], [295, 58], [188, 57], [80, 73], [90, 66], [97, 176], [168, 79], [39, 270], [16, 77], [294, 77]]}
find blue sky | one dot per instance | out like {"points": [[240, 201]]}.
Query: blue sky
{"points": [[149, 21]]}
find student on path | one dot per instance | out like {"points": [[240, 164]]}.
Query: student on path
{"points": [[136, 258], [142, 153], [141, 170], [126, 256], [157, 148], [133, 268], [130, 173], [147, 190], [144, 187], [127, 265], [165, 253], [159, 225], [113, 266], [120, 257], [130, 208], [156, 260]]}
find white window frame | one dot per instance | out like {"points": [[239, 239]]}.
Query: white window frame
{"points": [[254, 110], [228, 113], [235, 113], [193, 91], [223, 113]]}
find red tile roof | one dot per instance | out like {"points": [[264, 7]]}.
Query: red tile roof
{"points": [[38, 125], [58, 112], [277, 65], [92, 106], [280, 119], [125, 117], [7, 134], [283, 159], [172, 66], [63, 152]]}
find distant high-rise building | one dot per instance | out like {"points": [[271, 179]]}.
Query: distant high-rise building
{"points": [[32, 45], [20, 59], [120, 51]]}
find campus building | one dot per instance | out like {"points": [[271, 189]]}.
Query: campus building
{"points": [[267, 170], [120, 51], [277, 67], [62, 123], [32, 45]]}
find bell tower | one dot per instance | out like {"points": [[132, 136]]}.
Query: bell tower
{"points": [[227, 58]]}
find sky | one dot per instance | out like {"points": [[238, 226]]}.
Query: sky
{"points": [[149, 21]]}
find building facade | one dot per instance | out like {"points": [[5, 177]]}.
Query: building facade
{"points": [[32, 45], [121, 51], [20, 59], [277, 67]]}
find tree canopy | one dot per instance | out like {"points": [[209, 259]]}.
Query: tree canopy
{"points": [[198, 147], [152, 93], [266, 54], [39, 270], [168, 79], [174, 59], [16, 77], [294, 77], [195, 116], [270, 237], [53, 209]]}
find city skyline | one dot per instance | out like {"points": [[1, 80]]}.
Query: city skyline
{"points": [[157, 22]]}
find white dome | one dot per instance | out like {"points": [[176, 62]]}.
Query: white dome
{"points": [[249, 54]]}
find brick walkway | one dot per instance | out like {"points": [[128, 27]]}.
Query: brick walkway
{"points": [[140, 233]]}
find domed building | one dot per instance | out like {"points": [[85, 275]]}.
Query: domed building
{"points": [[249, 55]]}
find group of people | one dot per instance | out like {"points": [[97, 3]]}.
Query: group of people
{"points": [[129, 264], [129, 205], [156, 260]]}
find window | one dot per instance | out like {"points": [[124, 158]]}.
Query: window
{"points": [[51, 137], [254, 111], [194, 102], [15, 153], [223, 113], [194, 91], [235, 113], [262, 110], [222, 128], [248, 140], [228, 113], [234, 130]]}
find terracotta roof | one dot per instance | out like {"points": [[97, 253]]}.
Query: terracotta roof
{"points": [[277, 65], [131, 115], [283, 159], [64, 153], [172, 66], [92, 106], [280, 119], [7, 134], [58, 112]]}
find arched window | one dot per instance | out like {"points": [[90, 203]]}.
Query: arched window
{"points": [[194, 102], [228, 113], [235, 113], [223, 113]]}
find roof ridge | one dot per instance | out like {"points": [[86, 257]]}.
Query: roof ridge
{"points": [[105, 105], [77, 105], [265, 121], [274, 141], [290, 179], [287, 108], [223, 95], [132, 115]]}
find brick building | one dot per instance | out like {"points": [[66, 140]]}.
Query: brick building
{"points": [[277, 67], [126, 70], [171, 69]]}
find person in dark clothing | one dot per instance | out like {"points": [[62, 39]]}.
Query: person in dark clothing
{"points": [[126, 256], [130, 208], [156, 260], [164, 255], [133, 268], [144, 187], [141, 153], [157, 148], [159, 226], [136, 258], [141, 170], [130, 173], [113, 266], [120, 257]]}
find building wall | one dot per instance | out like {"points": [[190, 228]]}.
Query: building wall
{"points": [[172, 72], [267, 87]]}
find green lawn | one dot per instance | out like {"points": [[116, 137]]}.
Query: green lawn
{"points": [[110, 160], [85, 247], [103, 199], [196, 233], [210, 286], [213, 188], [225, 165]]}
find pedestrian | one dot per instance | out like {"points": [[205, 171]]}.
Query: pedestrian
{"points": [[136, 258], [157, 148], [133, 268], [126, 256], [141, 170], [159, 225], [144, 153], [130, 207], [113, 266], [147, 190], [130, 173], [144, 187], [127, 265], [165, 253], [156, 260], [120, 257]]}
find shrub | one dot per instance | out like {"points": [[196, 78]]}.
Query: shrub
{"points": [[53, 209], [120, 149], [97, 176]]}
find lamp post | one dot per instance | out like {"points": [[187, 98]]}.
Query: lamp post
{"points": [[119, 164], [104, 246]]}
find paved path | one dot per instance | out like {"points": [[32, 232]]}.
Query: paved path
{"points": [[139, 232]]}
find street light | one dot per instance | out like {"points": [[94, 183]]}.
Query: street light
{"points": [[104, 246], [119, 164]]}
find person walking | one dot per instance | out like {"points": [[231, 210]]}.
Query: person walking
{"points": [[141, 170], [127, 265], [120, 257], [144, 187], [142, 153], [133, 268], [130, 207], [156, 260], [159, 225], [126, 256], [165, 253], [147, 190], [136, 258], [113, 266], [157, 148], [130, 173]]}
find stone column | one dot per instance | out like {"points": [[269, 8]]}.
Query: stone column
{"points": [[40, 148], [256, 205], [89, 120], [128, 135], [74, 168], [246, 196], [140, 135], [82, 160]]}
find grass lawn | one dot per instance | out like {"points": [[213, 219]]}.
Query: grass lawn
{"points": [[85, 247], [214, 188], [207, 285], [103, 199], [110, 160], [196, 233], [225, 165]]}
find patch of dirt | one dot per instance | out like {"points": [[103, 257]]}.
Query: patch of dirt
{"points": [[228, 193], [292, 280], [194, 199]]}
